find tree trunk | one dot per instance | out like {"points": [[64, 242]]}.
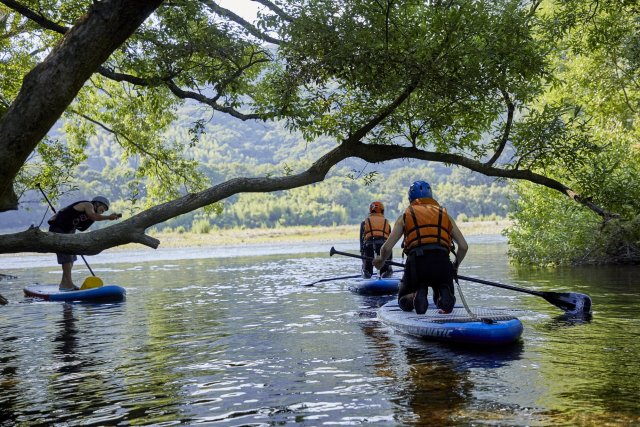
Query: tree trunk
{"points": [[52, 85], [132, 230]]}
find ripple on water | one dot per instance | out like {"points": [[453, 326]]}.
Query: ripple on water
{"points": [[239, 341]]}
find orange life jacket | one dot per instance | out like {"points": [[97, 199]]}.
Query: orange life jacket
{"points": [[426, 223], [376, 226]]}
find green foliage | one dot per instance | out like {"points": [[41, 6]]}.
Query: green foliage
{"points": [[594, 140], [552, 230], [351, 58], [201, 226], [54, 169], [570, 68], [549, 228]]}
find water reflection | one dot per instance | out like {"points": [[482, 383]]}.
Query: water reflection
{"points": [[591, 363], [431, 379], [9, 376], [67, 341], [239, 341]]}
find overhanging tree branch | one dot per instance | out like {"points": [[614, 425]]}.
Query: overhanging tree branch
{"points": [[146, 82], [186, 94], [49, 88], [386, 112], [275, 9], [132, 230], [380, 153], [507, 129], [34, 16], [226, 13]]}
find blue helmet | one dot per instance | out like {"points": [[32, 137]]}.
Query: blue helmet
{"points": [[419, 190]]}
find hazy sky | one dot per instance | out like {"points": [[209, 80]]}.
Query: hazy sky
{"points": [[245, 8]]}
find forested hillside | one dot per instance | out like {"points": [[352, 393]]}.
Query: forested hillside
{"points": [[191, 117], [259, 148]]}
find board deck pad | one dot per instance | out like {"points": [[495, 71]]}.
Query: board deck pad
{"points": [[499, 327]]}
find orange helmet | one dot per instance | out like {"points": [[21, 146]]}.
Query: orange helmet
{"points": [[376, 207]]}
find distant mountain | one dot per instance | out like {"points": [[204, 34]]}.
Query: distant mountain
{"points": [[230, 148]]}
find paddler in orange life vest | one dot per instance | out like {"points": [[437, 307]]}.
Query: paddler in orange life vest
{"points": [[374, 231], [428, 232]]}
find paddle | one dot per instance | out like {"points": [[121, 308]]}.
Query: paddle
{"points": [[334, 251], [333, 278], [89, 282], [330, 279], [571, 302]]}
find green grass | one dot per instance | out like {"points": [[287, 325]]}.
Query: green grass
{"points": [[293, 234]]}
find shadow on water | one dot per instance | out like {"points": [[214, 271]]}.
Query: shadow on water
{"points": [[431, 382], [564, 321], [238, 341], [9, 378], [590, 364]]}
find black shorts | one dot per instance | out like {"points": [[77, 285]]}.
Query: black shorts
{"points": [[432, 268], [63, 258], [371, 249]]}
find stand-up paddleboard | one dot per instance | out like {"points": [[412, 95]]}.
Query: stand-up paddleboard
{"points": [[108, 293], [375, 286], [491, 328]]}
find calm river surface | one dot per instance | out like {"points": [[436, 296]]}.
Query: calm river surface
{"points": [[230, 337]]}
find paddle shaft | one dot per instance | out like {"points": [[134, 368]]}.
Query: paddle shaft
{"points": [[334, 251], [469, 279], [54, 211], [330, 279], [575, 303], [500, 285]]}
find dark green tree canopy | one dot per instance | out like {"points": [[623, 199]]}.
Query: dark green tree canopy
{"points": [[461, 82]]}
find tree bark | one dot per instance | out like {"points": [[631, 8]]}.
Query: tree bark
{"points": [[132, 230], [52, 85]]}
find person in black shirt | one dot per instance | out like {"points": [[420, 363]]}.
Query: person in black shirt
{"points": [[77, 216]]}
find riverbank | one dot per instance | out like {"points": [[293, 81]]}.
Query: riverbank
{"points": [[235, 243], [294, 235]]}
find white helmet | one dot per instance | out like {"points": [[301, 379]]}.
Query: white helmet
{"points": [[101, 199]]}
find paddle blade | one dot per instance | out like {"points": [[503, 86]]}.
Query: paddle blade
{"points": [[91, 282], [571, 302]]}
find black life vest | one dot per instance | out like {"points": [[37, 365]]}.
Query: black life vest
{"points": [[68, 219]]}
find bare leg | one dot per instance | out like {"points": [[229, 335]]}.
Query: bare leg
{"points": [[67, 282]]}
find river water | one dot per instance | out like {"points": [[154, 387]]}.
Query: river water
{"points": [[230, 337]]}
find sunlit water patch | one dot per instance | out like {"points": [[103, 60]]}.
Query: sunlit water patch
{"points": [[239, 340]]}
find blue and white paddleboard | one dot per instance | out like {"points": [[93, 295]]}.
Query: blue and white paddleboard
{"points": [[375, 286], [107, 293], [458, 327]]}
